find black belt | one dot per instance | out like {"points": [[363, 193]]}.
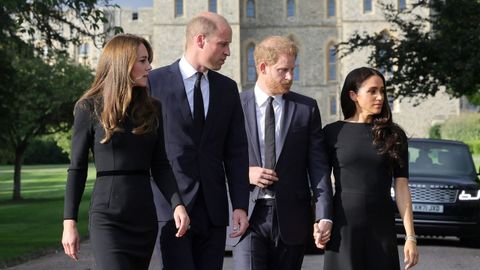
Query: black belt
{"points": [[123, 172], [265, 202]]}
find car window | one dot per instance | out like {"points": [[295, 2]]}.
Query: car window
{"points": [[439, 159]]}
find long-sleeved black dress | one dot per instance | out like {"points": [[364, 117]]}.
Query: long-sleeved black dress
{"points": [[123, 222], [363, 234]]}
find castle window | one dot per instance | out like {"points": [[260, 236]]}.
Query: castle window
{"points": [[178, 8], [212, 6], [290, 8], [402, 4], [251, 69], [333, 105], [296, 71], [367, 6], [84, 49], [331, 64], [331, 8], [134, 16], [250, 8]]}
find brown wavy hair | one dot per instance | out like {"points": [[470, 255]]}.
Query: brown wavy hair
{"points": [[113, 92], [388, 137]]}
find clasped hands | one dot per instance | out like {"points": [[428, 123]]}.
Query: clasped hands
{"points": [[322, 231]]}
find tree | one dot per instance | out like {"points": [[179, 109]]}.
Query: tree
{"points": [[40, 100], [45, 22], [430, 51], [38, 91]]}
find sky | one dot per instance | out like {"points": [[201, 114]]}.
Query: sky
{"points": [[133, 3]]}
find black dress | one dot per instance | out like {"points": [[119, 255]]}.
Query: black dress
{"points": [[123, 222], [363, 234]]}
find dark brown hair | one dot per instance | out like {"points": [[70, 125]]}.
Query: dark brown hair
{"points": [[388, 137]]}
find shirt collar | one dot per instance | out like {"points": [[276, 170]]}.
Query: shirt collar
{"points": [[188, 70], [261, 97]]}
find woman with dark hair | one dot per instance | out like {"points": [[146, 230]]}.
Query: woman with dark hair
{"points": [[366, 151], [122, 125]]}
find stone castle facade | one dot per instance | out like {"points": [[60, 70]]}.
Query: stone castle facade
{"points": [[316, 26]]}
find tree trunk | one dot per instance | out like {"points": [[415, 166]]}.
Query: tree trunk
{"points": [[19, 151]]}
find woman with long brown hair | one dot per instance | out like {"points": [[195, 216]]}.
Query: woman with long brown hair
{"points": [[366, 151], [122, 125]]}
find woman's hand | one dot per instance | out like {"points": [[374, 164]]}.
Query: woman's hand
{"points": [[71, 239], [410, 253], [322, 231], [182, 221]]}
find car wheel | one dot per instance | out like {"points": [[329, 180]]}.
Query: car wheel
{"points": [[473, 242]]}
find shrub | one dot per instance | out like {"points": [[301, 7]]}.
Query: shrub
{"points": [[44, 151], [435, 132], [465, 127], [474, 146]]}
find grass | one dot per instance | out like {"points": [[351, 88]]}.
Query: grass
{"points": [[476, 159], [32, 226]]}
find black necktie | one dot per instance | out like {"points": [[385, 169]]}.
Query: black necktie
{"points": [[270, 157], [198, 110]]}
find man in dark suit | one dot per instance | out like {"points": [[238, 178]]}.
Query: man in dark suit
{"points": [[206, 143], [288, 164]]}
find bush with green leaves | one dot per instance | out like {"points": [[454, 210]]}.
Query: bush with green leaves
{"points": [[45, 150], [465, 127]]}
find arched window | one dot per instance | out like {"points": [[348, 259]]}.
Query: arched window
{"points": [[331, 63], [251, 69], [178, 8], [290, 8], [402, 4], [250, 8], [331, 8], [367, 6], [212, 6]]}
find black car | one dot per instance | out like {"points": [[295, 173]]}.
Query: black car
{"points": [[445, 188]]}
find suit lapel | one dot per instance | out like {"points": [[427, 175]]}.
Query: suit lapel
{"points": [[251, 124], [178, 89], [288, 110]]}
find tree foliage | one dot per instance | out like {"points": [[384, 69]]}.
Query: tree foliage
{"points": [[39, 100], [428, 50], [38, 87], [54, 23]]}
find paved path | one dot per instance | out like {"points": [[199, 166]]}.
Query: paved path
{"points": [[435, 254], [60, 261]]}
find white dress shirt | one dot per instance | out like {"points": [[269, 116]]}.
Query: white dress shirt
{"points": [[189, 77]]}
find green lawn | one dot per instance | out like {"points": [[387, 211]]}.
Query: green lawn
{"points": [[34, 225]]}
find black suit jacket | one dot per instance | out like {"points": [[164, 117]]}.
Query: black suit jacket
{"points": [[222, 152], [302, 165]]}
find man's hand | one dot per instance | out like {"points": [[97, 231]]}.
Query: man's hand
{"points": [[322, 232], [262, 177], [182, 221], [71, 239], [239, 222]]}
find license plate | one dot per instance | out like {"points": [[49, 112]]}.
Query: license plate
{"points": [[427, 208]]}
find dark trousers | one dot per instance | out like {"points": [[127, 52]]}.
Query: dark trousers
{"points": [[201, 248], [262, 248]]}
